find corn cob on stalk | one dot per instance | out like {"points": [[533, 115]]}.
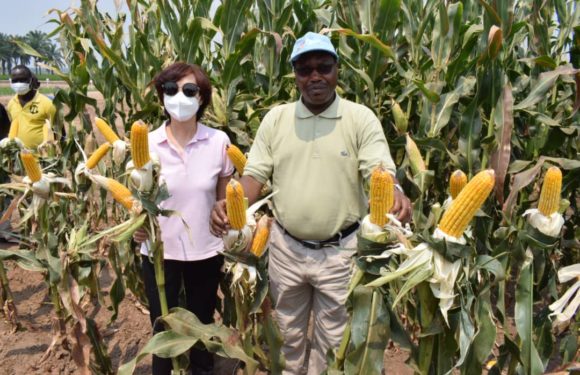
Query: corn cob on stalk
{"points": [[235, 206], [98, 155], [261, 236], [14, 128], [550, 195], [401, 121], [140, 144], [119, 192], [106, 130], [464, 207], [415, 158], [381, 196], [47, 133], [457, 182], [31, 166], [237, 157]]}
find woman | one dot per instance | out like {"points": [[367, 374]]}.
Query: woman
{"points": [[196, 169]]}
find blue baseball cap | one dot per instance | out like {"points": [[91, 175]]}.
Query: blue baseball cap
{"points": [[312, 42]]}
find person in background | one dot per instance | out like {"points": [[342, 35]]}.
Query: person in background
{"points": [[317, 152], [4, 122], [29, 107], [195, 166]]}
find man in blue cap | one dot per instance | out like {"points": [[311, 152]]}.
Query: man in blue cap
{"points": [[317, 152]]}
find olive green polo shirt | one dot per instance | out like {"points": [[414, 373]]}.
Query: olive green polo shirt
{"points": [[317, 164]]}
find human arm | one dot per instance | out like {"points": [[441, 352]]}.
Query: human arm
{"points": [[373, 151], [219, 223]]}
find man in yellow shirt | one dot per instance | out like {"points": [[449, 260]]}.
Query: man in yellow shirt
{"points": [[317, 152], [29, 107]]}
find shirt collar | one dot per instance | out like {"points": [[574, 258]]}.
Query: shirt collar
{"points": [[201, 134], [332, 112]]}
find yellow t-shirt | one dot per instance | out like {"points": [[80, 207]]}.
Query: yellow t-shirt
{"points": [[31, 118], [317, 164]]}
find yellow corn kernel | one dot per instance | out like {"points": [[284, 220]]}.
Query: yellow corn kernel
{"points": [[235, 206], [457, 182], [31, 166], [237, 157], [120, 193], [551, 189], [98, 155], [414, 155], [47, 133], [382, 192], [261, 236], [469, 200], [140, 144], [106, 130], [14, 127]]}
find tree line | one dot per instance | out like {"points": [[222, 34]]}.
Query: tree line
{"points": [[11, 54]]}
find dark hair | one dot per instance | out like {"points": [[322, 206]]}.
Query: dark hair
{"points": [[177, 71], [34, 82]]}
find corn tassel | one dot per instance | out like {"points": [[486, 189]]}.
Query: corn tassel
{"points": [[261, 236], [14, 128], [106, 130], [140, 144], [237, 157], [550, 195], [235, 206], [469, 200], [31, 166], [98, 155], [381, 196], [457, 182], [415, 158]]}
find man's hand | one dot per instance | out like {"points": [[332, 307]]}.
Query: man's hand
{"points": [[219, 224], [402, 207], [140, 235]]}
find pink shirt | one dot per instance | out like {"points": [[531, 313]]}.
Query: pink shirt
{"points": [[191, 180]]}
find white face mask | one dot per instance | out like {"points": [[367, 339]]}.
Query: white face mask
{"points": [[181, 107], [20, 88]]}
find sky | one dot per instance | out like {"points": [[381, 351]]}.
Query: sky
{"points": [[18, 17]]}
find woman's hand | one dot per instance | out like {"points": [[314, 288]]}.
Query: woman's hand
{"points": [[219, 224], [140, 235]]}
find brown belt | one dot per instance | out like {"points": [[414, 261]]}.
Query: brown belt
{"points": [[332, 241]]}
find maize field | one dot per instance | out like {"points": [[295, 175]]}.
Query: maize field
{"points": [[479, 101]]}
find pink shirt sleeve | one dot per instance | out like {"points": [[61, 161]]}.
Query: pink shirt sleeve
{"points": [[227, 165]]}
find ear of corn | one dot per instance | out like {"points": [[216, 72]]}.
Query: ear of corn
{"points": [[381, 195], [457, 182], [98, 155], [551, 189], [119, 191], [235, 206], [140, 144], [31, 166], [13, 132], [401, 121], [414, 155], [47, 133], [261, 236], [469, 200], [237, 157], [106, 130]]}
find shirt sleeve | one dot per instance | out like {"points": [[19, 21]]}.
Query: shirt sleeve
{"points": [[373, 146], [260, 161], [227, 165]]}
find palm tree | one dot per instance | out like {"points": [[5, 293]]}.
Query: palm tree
{"points": [[5, 52], [40, 42], [53, 54]]}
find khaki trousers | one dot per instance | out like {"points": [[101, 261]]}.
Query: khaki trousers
{"points": [[302, 281]]}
